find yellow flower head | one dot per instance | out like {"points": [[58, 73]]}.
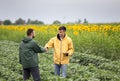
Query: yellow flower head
{"points": [[75, 33]]}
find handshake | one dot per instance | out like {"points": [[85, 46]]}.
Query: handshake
{"points": [[46, 49]]}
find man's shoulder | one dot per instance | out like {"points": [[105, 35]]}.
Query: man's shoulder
{"points": [[69, 38], [33, 42], [54, 38]]}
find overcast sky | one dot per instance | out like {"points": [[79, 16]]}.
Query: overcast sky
{"points": [[62, 10]]}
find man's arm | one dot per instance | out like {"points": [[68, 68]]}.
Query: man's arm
{"points": [[70, 48], [38, 49], [50, 44]]}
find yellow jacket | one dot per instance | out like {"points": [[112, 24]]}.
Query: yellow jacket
{"points": [[61, 46]]}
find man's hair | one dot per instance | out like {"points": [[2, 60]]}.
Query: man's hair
{"points": [[62, 28], [29, 31]]}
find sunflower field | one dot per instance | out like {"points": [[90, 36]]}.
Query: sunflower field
{"points": [[96, 56]]}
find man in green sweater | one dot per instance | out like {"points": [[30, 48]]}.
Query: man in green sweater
{"points": [[28, 56]]}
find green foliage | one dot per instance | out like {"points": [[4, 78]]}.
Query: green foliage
{"points": [[56, 22], [85, 59], [98, 44], [7, 22], [36, 22], [11, 35], [85, 42], [82, 67], [85, 21], [20, 21]]}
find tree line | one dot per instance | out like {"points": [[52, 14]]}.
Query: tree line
{"points": [[21, 21]]}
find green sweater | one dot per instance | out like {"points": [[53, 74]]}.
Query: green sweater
{"points": [[28, 50]]}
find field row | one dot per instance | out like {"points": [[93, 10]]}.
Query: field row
{"points": [[82, 67]]}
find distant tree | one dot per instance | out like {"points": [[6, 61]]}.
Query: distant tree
{"points": [[70, 23], [7, 22], [28, 21], [41, 22], [78, 22], [20, 21], [35, 22], [56, 22], [85, 21]]}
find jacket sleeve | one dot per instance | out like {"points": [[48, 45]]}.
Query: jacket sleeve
{"points": [[38, 49], [50, 44], [70, 48]]}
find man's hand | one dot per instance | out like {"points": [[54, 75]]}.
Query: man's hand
{"points": [[46, 48], [66, 54]]}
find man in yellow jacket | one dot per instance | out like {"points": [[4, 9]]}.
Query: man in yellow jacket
{"points": [[63, 48]]}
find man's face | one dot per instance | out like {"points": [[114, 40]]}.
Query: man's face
{"points": [[61, 33], [33, 34]]}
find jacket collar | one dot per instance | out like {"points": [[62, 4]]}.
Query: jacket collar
{"points": [[59, 36]]}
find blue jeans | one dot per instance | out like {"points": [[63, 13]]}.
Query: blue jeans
{"points": [[63, 67]]}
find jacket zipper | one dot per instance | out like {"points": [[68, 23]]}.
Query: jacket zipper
{"points": [[60, 50]]}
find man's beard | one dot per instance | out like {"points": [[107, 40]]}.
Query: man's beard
{"points": [[33, 36]]}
